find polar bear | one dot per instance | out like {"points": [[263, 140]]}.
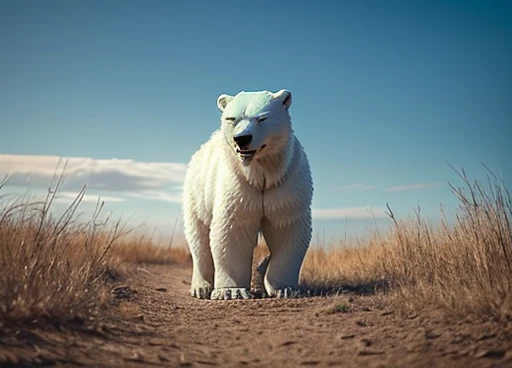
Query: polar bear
{"points": [[251, 176]]}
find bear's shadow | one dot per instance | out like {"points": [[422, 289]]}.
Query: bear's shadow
{"points": [[306, 290], [363, 289]]}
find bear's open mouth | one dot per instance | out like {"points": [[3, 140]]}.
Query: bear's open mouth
{"points": [[246, 156], [246, 152]]}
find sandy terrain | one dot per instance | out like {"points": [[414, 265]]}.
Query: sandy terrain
{"points": [[154, 322]]}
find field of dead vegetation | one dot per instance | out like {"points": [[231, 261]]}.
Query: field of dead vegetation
{"points": [[76, 292]]}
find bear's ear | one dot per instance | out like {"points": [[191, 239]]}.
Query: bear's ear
{"points": [[223, 101], [285, 97]]}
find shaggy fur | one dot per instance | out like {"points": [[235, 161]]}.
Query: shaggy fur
{"points": [[234, 189]]}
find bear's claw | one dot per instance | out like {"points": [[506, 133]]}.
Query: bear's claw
{"points": [[200, 292], [231, 293], [286, 292]]}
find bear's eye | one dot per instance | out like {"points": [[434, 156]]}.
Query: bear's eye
{"points": [[261, 119], [230, 119]]}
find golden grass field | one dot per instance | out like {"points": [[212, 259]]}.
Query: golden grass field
{"points": [[60, 269]]}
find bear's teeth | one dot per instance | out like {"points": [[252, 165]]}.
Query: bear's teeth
{"points": [[245, 158]]}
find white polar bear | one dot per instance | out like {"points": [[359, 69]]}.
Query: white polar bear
{"points": [[251, 175]]}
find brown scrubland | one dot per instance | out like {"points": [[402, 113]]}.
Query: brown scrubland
{"points": [[61, 271]]}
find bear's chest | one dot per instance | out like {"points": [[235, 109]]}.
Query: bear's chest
{"points": [[280, 206]]}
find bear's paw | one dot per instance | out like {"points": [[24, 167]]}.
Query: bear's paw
{"points": [[231, 293], [201, 292], [286, 292]]}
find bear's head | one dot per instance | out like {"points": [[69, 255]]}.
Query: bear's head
{"points": [[256, 124]]}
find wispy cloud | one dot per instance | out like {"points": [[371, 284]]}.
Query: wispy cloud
{"points": [[349, 212], [359, 186], [157, 196], [68, 197], [150, 180], [400, 188]]}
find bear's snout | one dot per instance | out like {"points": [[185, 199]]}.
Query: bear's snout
{"points": [[243, 141]]}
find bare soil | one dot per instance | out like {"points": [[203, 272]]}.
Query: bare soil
{"points": [[154, 322]]}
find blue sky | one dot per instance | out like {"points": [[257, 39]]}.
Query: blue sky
{"points": [[384, 93]]}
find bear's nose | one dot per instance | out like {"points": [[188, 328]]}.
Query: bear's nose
{"points": [[243, 141]]}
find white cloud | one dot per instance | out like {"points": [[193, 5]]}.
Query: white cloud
{"points": [[68, 197], [150, 180], [349, 212], [359, 186], [400, 188], [157, 195]]}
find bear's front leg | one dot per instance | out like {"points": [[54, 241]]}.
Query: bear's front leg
{"points": [[232, 244], [288, 246], [196, 233]]}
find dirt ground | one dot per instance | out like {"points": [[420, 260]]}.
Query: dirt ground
{"points": [[154, 322]]}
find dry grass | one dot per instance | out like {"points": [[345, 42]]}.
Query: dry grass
{"points": [[347, 266], [464, 268], [52, 268], [143, 249], [59, 269]]}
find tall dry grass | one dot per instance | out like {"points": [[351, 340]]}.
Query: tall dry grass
{"points": [[53, 268], [462, 266], [144, 250], [59, 268]]}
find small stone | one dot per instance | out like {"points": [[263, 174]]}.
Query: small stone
{"points": [[350, 336], [310, 362], [490, 354], [370, 352], [366, 342], [432, 334], [122, 292]]}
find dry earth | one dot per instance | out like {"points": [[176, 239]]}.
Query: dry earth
{"points": [[153, 322]]}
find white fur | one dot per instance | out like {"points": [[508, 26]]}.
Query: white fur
{"points": [[227, 201]]}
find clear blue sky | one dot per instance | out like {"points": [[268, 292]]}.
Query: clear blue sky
{"points": [[384, 93]]}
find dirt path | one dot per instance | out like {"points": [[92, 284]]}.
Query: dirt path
{"points": [[156, 323]]}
